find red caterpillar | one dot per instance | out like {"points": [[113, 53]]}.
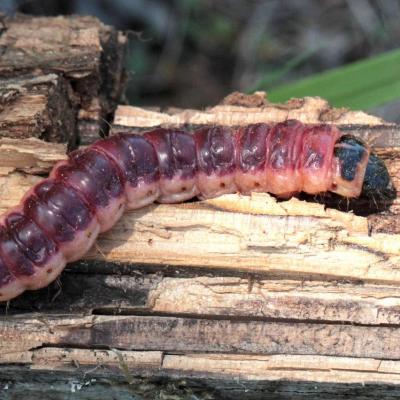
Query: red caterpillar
{"points": [[58, 220]]}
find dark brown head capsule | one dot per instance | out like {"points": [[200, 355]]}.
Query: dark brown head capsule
{"points": [[360, 173]]}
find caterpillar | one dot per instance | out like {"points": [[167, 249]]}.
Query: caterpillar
{"points": [[58, 220]]}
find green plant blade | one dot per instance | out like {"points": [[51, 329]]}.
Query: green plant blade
{"points": [[360, 85]]}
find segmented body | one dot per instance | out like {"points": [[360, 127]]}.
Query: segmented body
{"points": [[59, 219]]}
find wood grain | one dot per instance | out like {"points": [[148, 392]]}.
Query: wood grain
{"points": [[214, 296], [38, 106], [179, 334], [247, 367], [309, 110], [81, 51], [32, 156]]}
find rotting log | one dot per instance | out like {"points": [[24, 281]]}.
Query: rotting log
{"points": [[239, 297], [64, 74]]}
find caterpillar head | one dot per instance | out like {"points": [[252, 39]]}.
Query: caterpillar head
{"points": [[360, 173]]}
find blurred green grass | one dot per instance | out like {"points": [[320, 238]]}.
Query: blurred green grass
{"points": [[361, 85]]}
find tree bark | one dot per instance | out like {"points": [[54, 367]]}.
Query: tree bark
{"points": [[74, 74]]}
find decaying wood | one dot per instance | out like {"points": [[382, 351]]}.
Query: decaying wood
{"points": [[81, 51], [41, 107], [173, 334], [237, 296], [31, 156], [66, 385], [223, 340], [250, 367], [309, 110], [219, 292]]}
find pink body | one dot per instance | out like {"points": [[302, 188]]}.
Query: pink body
{"points": [[59, 219]]}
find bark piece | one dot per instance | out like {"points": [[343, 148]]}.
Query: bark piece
{"points": [[194, 334], [223, 296], [289, 367], [32, 156], [42, 107], [87, 53], [309, 110], [249, 367], [87, 384]]}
